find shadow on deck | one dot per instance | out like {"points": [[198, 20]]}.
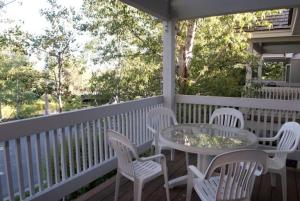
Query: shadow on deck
{"points": [[154, 191]]}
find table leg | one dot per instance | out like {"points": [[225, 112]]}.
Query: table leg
{"points": [[179, 181], [203, 162]]}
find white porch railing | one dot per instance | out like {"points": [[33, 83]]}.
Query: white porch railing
{"points": [[263, 117], [277, 93], [47, 158], [276, 83]]}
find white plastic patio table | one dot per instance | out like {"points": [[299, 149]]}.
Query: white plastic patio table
{"points": [[205, 140]]}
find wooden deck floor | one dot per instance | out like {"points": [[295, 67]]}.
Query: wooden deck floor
{"points": [[153, 191]]}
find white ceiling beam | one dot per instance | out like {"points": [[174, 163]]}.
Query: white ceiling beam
{"points": [[281, 48], [157, 8], [277, 39], [296, 21], [190, 9]]}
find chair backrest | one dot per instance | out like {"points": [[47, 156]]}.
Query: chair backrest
{"points": [[227, 117], [160, 118], [237, 171], [289, 135], [124, 150]]}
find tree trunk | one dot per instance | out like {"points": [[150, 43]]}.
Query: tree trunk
{"points": [[59, 92], [185, 55], [0, 112], [248, 75], [17, 101], [46, 104]]}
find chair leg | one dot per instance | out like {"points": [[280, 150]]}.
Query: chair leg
{"points": [[165, 172], [273, 179], [283, 184], [172, 154], [152, 149], [137, 191], [187, 160], [118, 177], [189, 186]]}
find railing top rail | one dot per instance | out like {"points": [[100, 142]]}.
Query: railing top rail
{"points": [[289, 105], [20, 128]]}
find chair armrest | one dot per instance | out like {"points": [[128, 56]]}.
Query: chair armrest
{"points": [[151, 158], [270, 139], [277, 151], [152, 130], [192, 170]]}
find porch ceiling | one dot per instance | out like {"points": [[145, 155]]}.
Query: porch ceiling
{"points": [[277, 45], [191, 9]]}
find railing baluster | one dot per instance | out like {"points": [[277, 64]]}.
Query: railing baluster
{"points": [[130, 123], [109, 126], [190, 113], [8, 172], [89, 142], [68, 132], [179, 113], [19, 169], [95, 143], [205, 114], [127, 125], [63, 155], [100, 136], [77, 149], [258, 131], [47, 158], [265, 125], [140, 124], [106, 148], [199, 113], [38, 161], [56, 156], [271, 134], [29, 165], [144, 125], [184, 113], [194, 113], [252, 119], [210, 111], [83, 143], [134, 127], [122, 124]]}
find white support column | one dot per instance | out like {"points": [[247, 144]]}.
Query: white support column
{"points": [[259, 70], [169, 44]]}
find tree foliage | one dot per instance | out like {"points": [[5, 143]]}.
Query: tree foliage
{"points": [[121, 31], [134, 80], [212, 45], [20, 83], [57, 45]]}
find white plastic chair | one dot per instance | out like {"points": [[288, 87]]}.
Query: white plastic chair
{"points": [[288, 140], [140, 170], [158, 119], [229, 177], [227, 117]]}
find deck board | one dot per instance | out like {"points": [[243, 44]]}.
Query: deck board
{"points": [[153, 191]]}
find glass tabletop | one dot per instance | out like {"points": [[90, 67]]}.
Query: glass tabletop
{"points": [[207, 138]]}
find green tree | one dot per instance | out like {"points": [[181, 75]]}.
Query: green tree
{"points": [[134, 80], [19, 82], [58, 44], [213, 43]]}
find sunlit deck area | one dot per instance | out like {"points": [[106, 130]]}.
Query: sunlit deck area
{"points": [[153, 190]]}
